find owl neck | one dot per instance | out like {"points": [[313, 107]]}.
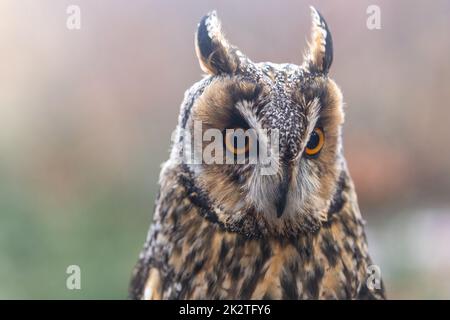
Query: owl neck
{"points": [[248, 223]]}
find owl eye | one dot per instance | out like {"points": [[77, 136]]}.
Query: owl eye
{"points": [[231, 143], [315, 143]]}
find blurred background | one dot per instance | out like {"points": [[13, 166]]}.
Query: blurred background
{"points": [[86, 117]]}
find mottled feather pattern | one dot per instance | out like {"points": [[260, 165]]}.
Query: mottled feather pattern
{"points": [[203, 261], [224, 231]]}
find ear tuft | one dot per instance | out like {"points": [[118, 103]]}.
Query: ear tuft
{"points": [[214, 53], [320, 50]]}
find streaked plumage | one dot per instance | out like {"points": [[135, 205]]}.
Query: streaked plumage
{"points": [[224, 231]]}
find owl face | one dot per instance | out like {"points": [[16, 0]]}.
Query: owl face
{"points": [[291, 112]]}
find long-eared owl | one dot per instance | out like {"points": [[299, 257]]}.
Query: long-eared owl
{"points": [[286, 228]]}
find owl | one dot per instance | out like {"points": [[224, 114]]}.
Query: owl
{"points": [[288, 227]]}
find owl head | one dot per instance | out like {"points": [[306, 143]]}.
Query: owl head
{"points": [[294, 112]]}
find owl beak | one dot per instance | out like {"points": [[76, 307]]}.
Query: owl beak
{"points": [[282, 192]]}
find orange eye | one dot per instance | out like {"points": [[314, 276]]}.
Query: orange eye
{"points": [[315, 143], [231, 143]]}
